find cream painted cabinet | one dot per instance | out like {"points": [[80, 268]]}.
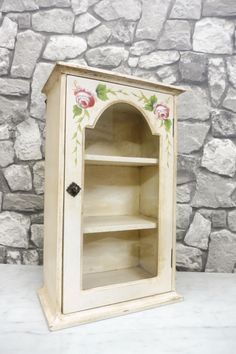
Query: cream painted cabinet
{"points": [[109, 195]]}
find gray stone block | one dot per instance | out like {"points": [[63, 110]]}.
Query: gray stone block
{"points": [[133, 62], [7, 153], [213, 35], [184, 192], [183, 214], [193, 104], [219, 156], [37, 235], [214, 191], [30, 257], [4, 61], [186, 168], [13, 257], [223, 124], [85, 22], [37, 218], [123, 32], [207, 213], [22, 19], [180, 234], [232, 220], [22, 202], [113, 10], [64, 47], [186, 9], [79, 6], [14, 231], [41, 74], [198, 232], [53, 20], [191, 136], [169, 74], [219, 218], [142, 47], [12, 111], [18, 177], [219, 8], [176, 35], [222, 252], [27, 51], [230, 100], [231, 68], [188, 258], [4, 132], [106, 56], [145, 74], [158, 58], [38, 180], [99, 36], [154, 14], [217, 79], [28, 141], [19, 6], [14, 87], [193, 66], [8, 31]]}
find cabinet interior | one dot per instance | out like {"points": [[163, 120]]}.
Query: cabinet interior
{"points": [[120, 202]]}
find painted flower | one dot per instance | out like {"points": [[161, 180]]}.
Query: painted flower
{"points": [[84, 98], [162, 111]]}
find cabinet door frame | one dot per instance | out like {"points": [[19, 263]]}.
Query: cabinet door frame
{"points": [[74, 297]]}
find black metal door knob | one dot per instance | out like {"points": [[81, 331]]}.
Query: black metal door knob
{"points": [[73, 189]]}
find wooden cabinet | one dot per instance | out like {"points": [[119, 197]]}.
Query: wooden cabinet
{"points": [[109, 195]]}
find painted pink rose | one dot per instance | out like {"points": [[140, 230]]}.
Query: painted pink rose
{"points": [[162, 111], [84, 98]]}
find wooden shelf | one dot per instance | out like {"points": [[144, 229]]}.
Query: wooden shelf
{"points": [[119, 160], [95, 224], [94, 280]]}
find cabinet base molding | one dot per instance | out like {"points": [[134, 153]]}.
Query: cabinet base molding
{"points": [[56, 320]]}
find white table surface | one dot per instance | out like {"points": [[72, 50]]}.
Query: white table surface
{"points": [[204, 323]]}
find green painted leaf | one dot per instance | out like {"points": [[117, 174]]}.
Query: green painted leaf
{"points": [[153, 99], [167, 124], [86, 113], [148, 107], [101, 91], [74, 135], [77, 110]]}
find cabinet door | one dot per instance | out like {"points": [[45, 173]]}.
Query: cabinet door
{"points": [[118, 228]]}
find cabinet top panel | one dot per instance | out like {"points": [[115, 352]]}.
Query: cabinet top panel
{"points": [[105, 75]]}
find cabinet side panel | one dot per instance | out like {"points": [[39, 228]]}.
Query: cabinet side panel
{"points": [[54, 181], [174, 194]]}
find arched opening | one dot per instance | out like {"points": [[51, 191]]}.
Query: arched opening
{"points": [[121, 130], [120, 207]]}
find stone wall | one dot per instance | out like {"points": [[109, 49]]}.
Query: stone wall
{"points": [[182, 42]]}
